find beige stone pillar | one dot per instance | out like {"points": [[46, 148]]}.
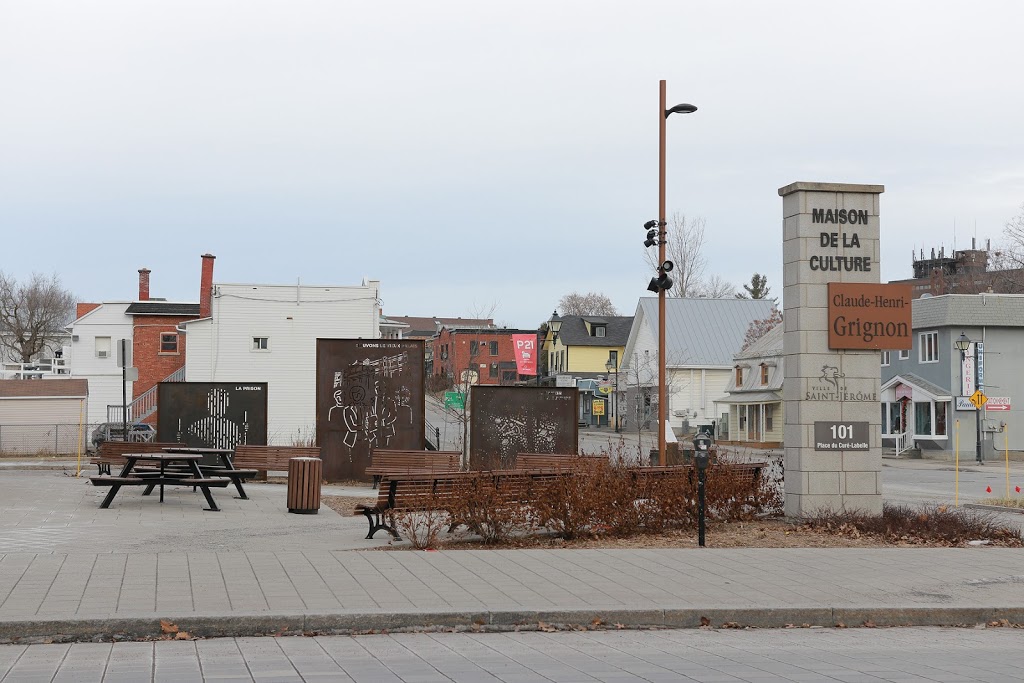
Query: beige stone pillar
{"points": [[830, 234]]}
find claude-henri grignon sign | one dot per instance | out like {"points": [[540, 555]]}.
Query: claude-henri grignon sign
{"points": [[869, 316]]}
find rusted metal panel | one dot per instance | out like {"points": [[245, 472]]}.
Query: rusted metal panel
{"points": [[510, 420], [369, 394], [212, 414]]}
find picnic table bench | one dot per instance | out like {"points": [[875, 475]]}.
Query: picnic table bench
{"points": [[112, 452], [222, 465], [161, 477], [265, 459], [391, 461]]}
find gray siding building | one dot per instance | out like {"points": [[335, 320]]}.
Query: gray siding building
{"points": [[924, 390]]}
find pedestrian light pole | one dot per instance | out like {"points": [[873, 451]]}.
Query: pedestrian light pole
{"points": [[610, 367], [663, 283]]}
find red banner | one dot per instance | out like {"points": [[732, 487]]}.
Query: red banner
{"points": [[525, 347]]}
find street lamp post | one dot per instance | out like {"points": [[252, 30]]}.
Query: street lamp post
{"points": [[663, 114], [963, 344], [610, 367]]}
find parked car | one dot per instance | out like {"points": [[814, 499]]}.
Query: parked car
{"points": [[114, 431]]}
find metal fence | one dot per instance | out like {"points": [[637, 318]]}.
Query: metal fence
{"points": [[44, 439]]}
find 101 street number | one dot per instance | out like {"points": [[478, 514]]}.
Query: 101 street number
{"points": [[841, 436]]}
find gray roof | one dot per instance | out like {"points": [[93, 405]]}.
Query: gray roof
{"points": [[162, 308], [770, 344], [919, 382], [969, 310], [705, 331], [574, 333]]}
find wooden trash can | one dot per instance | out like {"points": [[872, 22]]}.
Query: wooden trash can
{"points": [[304, 477]]}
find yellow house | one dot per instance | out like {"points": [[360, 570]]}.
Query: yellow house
{"points": [[581, 346]]}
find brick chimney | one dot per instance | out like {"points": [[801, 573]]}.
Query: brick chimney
{"points": [[206, 286], [144, 284]]}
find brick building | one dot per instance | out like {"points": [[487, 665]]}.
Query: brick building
{"points": [[967, 271], [488, 352], [158, 348]]}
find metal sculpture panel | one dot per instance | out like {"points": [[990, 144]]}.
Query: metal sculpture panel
{"points": [[369, 394], [212, 414], [510, 420]]}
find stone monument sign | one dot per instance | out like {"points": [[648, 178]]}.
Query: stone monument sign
{"points": [[832, 419]]}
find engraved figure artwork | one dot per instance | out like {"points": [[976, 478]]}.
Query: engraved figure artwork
{"points": [[368, 400], [514, 435], [831, 374], [216, 429]]}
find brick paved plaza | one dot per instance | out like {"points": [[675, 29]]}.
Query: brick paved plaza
{"points": [[70, 571]]}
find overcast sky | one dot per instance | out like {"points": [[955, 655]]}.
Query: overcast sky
{"points": [[477, 153]]}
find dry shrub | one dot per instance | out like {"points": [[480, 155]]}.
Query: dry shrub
{"points": [[490, 506], [421, 528], [923, 524], [587, 498]]}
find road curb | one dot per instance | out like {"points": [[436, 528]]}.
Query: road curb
{"points": [[243, 625]]}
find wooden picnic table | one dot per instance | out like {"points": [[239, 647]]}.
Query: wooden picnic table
{"points": [[223, 464], [191, 476]]}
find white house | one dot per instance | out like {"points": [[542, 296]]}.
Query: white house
{"points": [[702, 337], [268, 333], [93, 354]]}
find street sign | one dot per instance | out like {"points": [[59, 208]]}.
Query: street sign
{"points": [[604, 389], [598, 406], [978, 399], [998, 404], [454, 400]]}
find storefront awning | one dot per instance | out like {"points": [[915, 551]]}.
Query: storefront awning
{"points": [[752, 397]]}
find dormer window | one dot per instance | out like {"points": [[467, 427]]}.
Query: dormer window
{"points": [[739, 376], [764, 374], [598, 330]]}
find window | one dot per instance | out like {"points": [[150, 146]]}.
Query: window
{"points": [[613, 356], [103, 347], [169, 342], [739, 377], [904, 354], [474, 348], [940, 418], [885, 359], [598, 330], [261, 343], [492, 370], [494, 348], [764, 374], [508, 376], [769, 414], [922, 418], [928, 347]]}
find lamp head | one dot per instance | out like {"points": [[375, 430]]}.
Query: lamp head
{"points": [[963, 343], [681, 109]]}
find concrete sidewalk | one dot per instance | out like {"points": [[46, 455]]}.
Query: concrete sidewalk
{"points": [[80, 596]]}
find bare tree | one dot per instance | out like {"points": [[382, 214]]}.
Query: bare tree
{"points": [[759, 328], [684, 246], [715, 287], [1013, 233], [591, 303], [33, 314]]}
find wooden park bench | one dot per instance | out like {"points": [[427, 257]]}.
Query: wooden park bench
{"points": [[387, 461], [555, 461], [112, 452], [270, 458], [418, 492]]}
